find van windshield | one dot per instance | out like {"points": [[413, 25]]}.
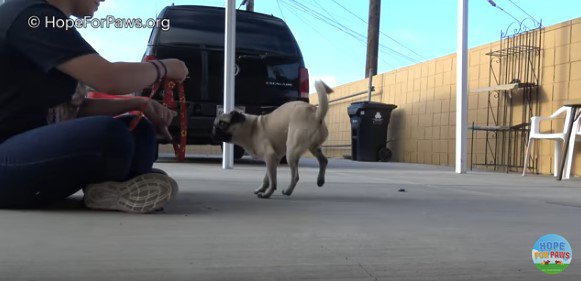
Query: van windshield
{"points": [[205, 27]]}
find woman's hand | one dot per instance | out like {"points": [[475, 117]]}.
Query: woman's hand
{"points": [[160, 116], [176, 69]]}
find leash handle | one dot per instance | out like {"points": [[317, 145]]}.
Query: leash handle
{"points": [[137, 119], [169, 101]]}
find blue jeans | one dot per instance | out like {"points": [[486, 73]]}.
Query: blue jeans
{"points": [[50, 163]]}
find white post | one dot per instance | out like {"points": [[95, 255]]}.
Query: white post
{"points": [[462, 87], [229, 52]]}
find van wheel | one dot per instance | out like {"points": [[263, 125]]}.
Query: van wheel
{"points": [[238, 152]]}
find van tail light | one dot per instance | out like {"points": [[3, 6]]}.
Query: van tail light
{"points": [[304, 83], [147, 58]]}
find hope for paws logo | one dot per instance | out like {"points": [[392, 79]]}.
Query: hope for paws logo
{"points": [[552, 254]]}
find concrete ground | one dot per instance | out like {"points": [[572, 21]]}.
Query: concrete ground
{"points": [[359, 226]]}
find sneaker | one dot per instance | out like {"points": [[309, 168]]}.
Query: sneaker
{"points": [[174, 184], [141, 194], [158, 171]]}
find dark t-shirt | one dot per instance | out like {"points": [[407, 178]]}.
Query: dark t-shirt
{"points": [[30, 84]]}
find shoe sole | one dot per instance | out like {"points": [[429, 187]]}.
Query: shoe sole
{"points": [[142, 194], [174, 184]]}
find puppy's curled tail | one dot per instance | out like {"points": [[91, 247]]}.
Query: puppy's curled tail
{"points": [[322, 91]]}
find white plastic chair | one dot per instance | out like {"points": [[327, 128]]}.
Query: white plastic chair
{"points": [[559, 139], [575, 137]]}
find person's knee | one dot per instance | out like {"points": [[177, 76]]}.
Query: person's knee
{"points": [[146, 127], [115, 136], [117, 146]]}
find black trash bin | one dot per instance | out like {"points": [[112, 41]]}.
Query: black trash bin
{"points": [[369, 121]]}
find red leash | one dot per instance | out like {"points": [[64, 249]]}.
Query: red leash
{"points": [[179, 145]]}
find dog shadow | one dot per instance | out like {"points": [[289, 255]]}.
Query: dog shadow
{"points": [[203, 203]]}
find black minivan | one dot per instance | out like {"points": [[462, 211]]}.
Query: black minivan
{"points": [[269, 65]]}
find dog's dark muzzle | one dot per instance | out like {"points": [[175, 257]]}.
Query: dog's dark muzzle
{"points": [[219, 133], [220, 136]]}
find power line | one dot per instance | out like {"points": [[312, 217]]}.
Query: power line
{"points": [[358, 36], [335, 17], [359, 39], [524, 12], [300, 7], [493, 4], [384, 34], [322, 8], [333, 42], [281, 13], [242, 4]]}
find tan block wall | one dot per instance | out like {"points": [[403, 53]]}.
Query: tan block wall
{"points": [[422, 128]]}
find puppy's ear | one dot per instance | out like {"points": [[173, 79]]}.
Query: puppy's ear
{"points": [[237, 117]]}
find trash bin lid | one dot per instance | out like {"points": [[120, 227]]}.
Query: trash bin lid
{"points": [[373, 105], [356, 106]]}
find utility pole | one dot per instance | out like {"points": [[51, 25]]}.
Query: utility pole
{"points": [[249, 5], [229, 62], [462, 87], [373, 37]]}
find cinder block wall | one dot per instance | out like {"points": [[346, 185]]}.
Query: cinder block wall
{"points": [[422, 128]]}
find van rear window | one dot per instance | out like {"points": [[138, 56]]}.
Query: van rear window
{"points": [[206, 27]]}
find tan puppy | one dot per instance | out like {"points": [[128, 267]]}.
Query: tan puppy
{"points": [[290, 130]]}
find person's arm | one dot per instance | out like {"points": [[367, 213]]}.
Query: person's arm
{"points": [[121, 77], [65, 49], [158, 114], [111, 107]]}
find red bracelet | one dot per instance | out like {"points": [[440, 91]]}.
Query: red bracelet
{"points": [[164, 68], [156, 70]]}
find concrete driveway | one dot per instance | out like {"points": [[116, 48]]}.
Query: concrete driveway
{"points": [[359, 226]]}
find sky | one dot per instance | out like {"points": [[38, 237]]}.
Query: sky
{"points": [[332, 33]]}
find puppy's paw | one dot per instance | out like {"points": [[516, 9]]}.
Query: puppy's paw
{"points": [[263, 195], [261, 189], [320, 181], [287, 193]]}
